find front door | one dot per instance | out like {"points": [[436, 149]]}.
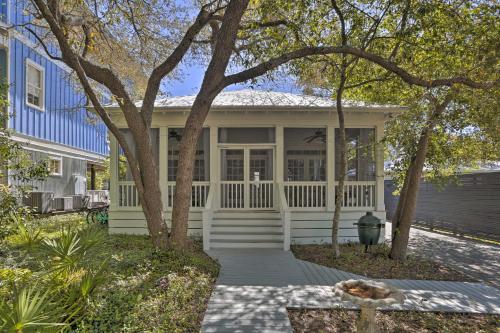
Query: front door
{"points": [[247, 178]]}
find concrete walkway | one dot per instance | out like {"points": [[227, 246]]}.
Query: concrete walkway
{"points": [[255, 286], [478, 260]]}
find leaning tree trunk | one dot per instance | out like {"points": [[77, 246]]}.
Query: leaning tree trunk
{"points": [[212, 85], [407, 204], [339, 192], [184, 181], [150, 192]]}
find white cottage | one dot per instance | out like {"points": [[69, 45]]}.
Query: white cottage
{"points": [[265, 171]]}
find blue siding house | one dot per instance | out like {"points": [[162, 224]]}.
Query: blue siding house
{"points": [[47, 108]]}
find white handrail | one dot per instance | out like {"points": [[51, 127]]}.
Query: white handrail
{"points": [[285, 216], [207, 216]]}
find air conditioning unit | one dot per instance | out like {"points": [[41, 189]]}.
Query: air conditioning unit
{"points": [[63, 203], [77, 201], [41, 202]]}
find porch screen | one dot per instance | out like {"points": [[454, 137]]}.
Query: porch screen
{"points": [[202, 161], [360, 154], [305, 154], [124, 173], [246, 135]]}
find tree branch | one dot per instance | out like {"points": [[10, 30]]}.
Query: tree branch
{"points": [[170, 63], [72, 60], [362, 83], [45, 48], [388, 65]]}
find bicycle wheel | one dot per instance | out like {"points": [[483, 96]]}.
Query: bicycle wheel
{"points": [[90, 217], [101, 217]]}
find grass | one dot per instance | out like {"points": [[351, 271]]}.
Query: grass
{"points": [[376, 263], [145, 290], [343, 321]]}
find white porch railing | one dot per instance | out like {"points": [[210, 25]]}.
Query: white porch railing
{"points": [[305, 194], [358, 194], [97, 197], [199, 194], [207, 217], [127, 194], [285, 216], [232, 194], [312, 195], [262, 194]]}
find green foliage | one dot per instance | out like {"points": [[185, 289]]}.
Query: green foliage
{"points": [[68, 252], [52, 283], [102, 176], [30, 310], [27, 235], [120, 284], [153, 290], [431, 39]]}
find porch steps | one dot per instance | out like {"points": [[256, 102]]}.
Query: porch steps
{"points": [[246, 229]]}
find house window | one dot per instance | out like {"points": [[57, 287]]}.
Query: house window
{"points": [[360, 154], [305, 154], [55, 166], [34, 85], [201, 170], [295, 169]]}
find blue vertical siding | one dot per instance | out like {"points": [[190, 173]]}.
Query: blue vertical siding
{"points": [[64, 119], [3, 10]]}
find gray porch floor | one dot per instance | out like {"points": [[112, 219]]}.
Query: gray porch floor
{"points": [[255, 286]]}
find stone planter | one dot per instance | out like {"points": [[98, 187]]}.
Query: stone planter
{"points": [[368, 295]]}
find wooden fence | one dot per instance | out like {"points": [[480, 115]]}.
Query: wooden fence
{"points": [[470, 207]]}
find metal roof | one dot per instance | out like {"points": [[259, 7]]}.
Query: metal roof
{"points": [[261, 99]]}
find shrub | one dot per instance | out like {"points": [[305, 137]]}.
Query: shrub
{"points": [[30, 310]]}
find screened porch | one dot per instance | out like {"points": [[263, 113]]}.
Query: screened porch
{"points": [[263, 168]]}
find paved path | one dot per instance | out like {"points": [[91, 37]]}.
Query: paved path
{"points": [[478, 260], [255, 286]]}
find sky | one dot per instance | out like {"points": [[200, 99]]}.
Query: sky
{"points": [[192, 72], [192, 75]]}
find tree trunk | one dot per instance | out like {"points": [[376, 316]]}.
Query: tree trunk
{"points": [[150, 196], [184, 181], [407, 204], [339, 192], [212, 85]]}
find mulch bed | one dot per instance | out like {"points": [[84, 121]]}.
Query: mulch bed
{"points": [[376, 263], [344, 321]]}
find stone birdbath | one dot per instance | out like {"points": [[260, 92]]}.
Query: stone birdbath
{"points": [[368, 295]]}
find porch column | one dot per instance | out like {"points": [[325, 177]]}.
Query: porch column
{"points": [[214, 165], [330, 168], [92, 176], [280, 160], [280, 156], [113, 172], [163, 166], [379, 168]]}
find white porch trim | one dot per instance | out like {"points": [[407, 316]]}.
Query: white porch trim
{"points": [[41, 145]]}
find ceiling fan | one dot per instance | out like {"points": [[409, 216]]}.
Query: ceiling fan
{"points": [[317, 135]]}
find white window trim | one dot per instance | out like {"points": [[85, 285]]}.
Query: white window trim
{"points": [[39, 67], [60, 172]]}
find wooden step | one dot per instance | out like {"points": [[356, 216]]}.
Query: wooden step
{"points": [[251, 221], [238, 215], [250, 236], [240, 244], [246, 228]]}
